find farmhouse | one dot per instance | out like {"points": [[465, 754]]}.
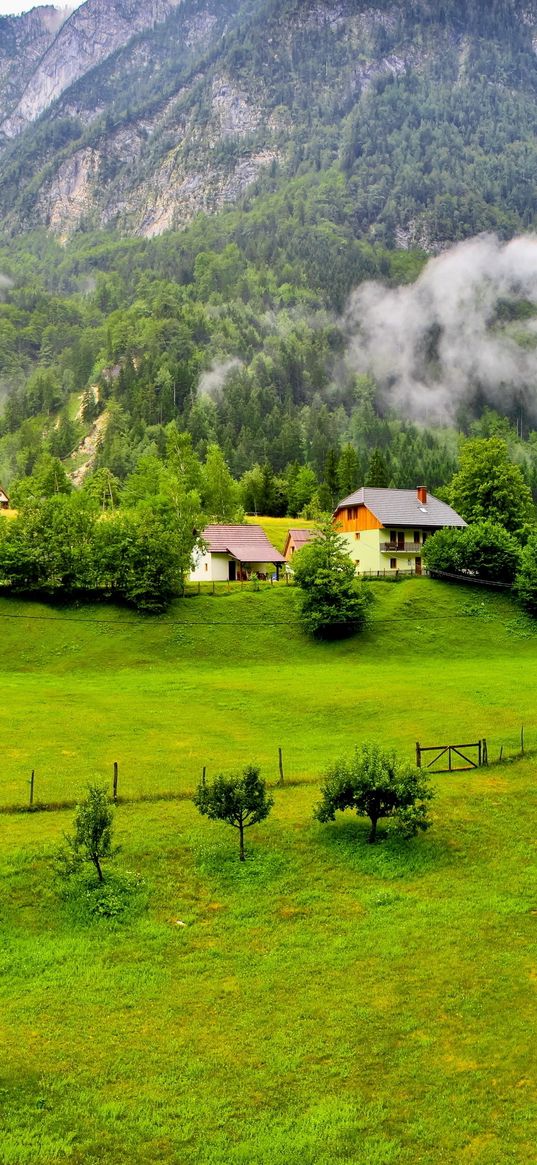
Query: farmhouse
{"points": [[4, 500], [296, 539], [385, 529], [234, 552]]}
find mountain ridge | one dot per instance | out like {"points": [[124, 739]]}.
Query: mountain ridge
{"points": [[195, 106]]}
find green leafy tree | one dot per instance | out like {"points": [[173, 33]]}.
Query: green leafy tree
{"points": [[105, 487], [141, 558], [240, 799], [220, 491], [526, 579], [485, 549], [92, 838], [377, 785], [489, 486], [50, 546], [333, 603]]}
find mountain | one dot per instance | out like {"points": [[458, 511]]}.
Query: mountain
{"points": [[80, 41], [24, 41], [420, 120]]}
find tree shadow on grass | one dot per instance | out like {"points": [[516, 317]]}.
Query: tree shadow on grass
{"points": [[390, 858], [264, 865]]}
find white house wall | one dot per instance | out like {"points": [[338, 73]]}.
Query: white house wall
{"points": [[210, 568]]}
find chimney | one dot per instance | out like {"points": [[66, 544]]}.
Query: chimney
{"points": [[422, 495]]}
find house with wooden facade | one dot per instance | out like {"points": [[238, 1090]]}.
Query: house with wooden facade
{"points": [[385, 529], [4, 499], [234, 553], [295, 540]]}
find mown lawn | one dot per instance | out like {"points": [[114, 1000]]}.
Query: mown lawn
{"points": [[228, 679], [328, 1002]]}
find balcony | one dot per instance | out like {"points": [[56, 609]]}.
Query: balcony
{"points": [[401, 547]]}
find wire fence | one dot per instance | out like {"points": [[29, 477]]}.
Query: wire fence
{"points": [[38, 791]]}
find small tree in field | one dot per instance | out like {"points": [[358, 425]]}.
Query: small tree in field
{"points": [[240, 799], [377, 785], [92, 839]]}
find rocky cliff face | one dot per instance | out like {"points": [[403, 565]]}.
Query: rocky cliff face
{"points": [[24, 41], [141, 113], [88, 36]]}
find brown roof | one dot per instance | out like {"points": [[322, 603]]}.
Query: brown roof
{"points": [[245, 543], [300, 537]]}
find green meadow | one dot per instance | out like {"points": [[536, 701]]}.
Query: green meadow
{"points": [[225, 679], [327, 1002]]}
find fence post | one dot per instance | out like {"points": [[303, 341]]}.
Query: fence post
{"points": [[280, 765], [114, 791], [31, 784], [203, 775], [485, 753], [522, 740], [479, 752], [418, 755]]}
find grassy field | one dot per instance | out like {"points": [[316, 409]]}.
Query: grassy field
{"points": [[224, 680], [327, 1002], [277, 529]]}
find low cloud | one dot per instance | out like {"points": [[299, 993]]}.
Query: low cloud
{"points": [[443, 341], [213, 380], [5, 284]]}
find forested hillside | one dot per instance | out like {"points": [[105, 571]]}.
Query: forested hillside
{"points": [[421, 117], [351, 141]]}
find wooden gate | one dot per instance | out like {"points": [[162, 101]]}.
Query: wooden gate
{"points": [[459, 758]]}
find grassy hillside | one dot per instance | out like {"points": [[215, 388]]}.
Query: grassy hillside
{"points": [[223, 680], [277, 529]]}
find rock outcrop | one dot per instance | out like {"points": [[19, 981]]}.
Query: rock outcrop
{"points": [[88, 36]]}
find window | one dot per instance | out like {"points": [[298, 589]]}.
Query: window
{"points": [[357, 536], [393, 564], [417, 537], [206, 566], [393, 535]]}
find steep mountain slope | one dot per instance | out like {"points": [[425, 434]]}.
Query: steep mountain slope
{"points": [[24, 40], [82, 41], [425, 115]]}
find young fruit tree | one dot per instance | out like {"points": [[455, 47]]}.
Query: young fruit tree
{"points": [[377, 785], [92, 839], [241, 799]]}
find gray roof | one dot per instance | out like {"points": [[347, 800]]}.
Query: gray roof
{"points": [[402, 507]]}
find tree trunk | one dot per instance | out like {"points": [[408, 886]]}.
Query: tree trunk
{"points": [[97, 865], [373, 835], [241, 836]]}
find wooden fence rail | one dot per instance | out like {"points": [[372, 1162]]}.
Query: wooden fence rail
{"points": [[455, 753]]}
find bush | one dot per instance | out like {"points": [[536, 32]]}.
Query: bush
{"points": [[485, 550], [122, 897]]}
